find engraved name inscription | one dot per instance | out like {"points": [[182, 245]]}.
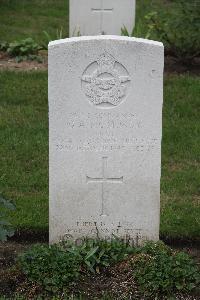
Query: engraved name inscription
{"points": [[102, 130], [102, 120]]}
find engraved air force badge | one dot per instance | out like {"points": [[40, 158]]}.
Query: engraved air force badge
{"points": [[105, 81]]}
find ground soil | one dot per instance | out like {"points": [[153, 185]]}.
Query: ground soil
{"points": [[117, 280], [172, 65], [9, 63]]}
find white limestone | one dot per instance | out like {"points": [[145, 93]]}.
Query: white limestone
{"points": [[94, 17], [105, 124]]}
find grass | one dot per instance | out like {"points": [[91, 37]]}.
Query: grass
{"points": [[24, 147], [24, 152], [180, 183], [29, 18]]}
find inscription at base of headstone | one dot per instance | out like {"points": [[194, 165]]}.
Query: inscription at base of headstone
{"points": [[96, 17], [105, 128]]}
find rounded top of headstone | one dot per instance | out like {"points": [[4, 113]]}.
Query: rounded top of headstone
{"points": [[105, 37]]}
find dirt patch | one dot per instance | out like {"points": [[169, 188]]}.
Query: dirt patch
{"points": [[117, 281], [8, 63], [30, 236], [173, 66], [9, 276], [9, 251]]}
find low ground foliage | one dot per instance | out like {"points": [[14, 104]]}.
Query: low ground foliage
{"points": [[159, 270], [178, 27], [156, 269], [6, 229], [26, 49], [58, 266], [175, 23], [51, 267]]}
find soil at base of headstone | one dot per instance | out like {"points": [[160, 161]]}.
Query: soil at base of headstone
{"points": [[10, 63], [117, 280], [172, 66]]}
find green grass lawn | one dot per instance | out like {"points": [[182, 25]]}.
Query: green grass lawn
{"points": [[24, 146], [180, 184], [29, 18], [24, 152]]}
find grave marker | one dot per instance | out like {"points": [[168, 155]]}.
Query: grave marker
{"points": [[105, 125], [96, 17]]}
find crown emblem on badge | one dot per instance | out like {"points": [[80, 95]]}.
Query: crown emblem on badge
{"points": [[105, 81], [105, 61]]}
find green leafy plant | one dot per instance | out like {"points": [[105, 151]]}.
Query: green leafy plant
{"points": [[3, 46], [6, 229], [48, 38], [177, 26], [52, 267], [76, 32], [57, 267], [98, 254], [23, 48], [161, 271], [29, 57], [178, 29], [157, 269], [124, 32]]}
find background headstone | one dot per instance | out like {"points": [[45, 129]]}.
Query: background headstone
{"points": [[105, 122], [94, 17]]}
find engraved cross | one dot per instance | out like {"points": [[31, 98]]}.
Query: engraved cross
{"points": [[104, 179], [102, 10]]}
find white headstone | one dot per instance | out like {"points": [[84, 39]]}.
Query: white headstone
{"points": [[94, 17], [105, 124]]}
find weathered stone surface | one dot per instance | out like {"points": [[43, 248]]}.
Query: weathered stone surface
{"points": [[105, 124], [94, 17]]}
